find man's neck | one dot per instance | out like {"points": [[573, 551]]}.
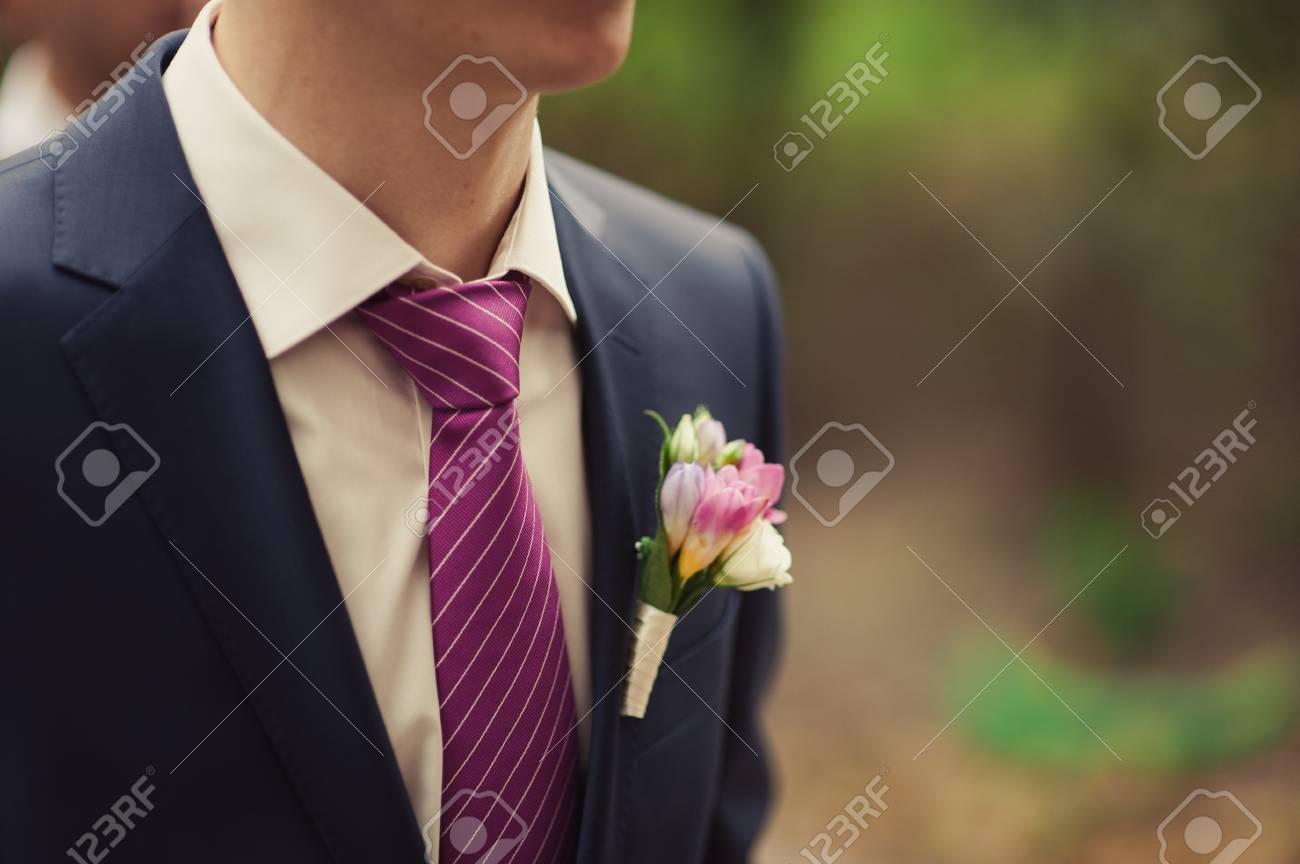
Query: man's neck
{"points": [[356, 111]]}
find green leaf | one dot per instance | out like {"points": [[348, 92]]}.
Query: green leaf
{"points": [[664, 462], [663, 424], [656, 574]]}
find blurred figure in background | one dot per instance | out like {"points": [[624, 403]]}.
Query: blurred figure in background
{"points": [[64, 50]]}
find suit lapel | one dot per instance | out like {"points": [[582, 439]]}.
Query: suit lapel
{"points": [[172, 354], [615, 340]]}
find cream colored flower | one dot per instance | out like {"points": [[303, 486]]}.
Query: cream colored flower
{"points": [[757, 558]]}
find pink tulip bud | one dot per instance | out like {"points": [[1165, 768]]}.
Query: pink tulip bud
{"points": [[766, 478], [727, 506]]}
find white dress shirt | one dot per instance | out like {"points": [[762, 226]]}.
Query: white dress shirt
{"points": [[360, 429], [30, 107]]}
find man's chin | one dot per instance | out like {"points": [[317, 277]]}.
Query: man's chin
{"points": [[576, 60], [565, 79]]}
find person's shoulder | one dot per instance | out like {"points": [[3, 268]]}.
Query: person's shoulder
{"points": [[38, 301], [649, 227], [26, 217]]}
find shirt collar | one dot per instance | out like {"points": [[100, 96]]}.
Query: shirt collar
{"points": [[303, 250]]}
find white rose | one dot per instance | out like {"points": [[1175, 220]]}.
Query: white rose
{"points": [[757, 558]]}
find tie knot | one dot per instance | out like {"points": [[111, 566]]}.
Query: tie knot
{"points": [[460, 343]]}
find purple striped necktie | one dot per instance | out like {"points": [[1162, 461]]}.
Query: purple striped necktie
{"points": [[509, 755]]}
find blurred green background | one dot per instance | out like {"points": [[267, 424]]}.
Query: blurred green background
{"points": [[1026, 456], [1022, 465]]}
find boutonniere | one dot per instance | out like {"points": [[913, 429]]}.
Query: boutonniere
{"points": [[716, 529]]}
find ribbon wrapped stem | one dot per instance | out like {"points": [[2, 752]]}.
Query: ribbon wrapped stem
{"points": [[653, 627]]}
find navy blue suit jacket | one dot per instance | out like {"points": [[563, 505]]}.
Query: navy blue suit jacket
{"points": [[149, 718]]}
